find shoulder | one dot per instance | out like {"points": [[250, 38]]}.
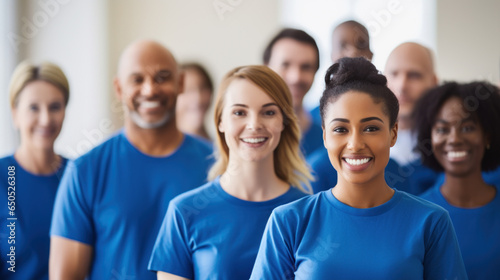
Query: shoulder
{"points": [[196, 146], [206, 192], [101, 150], [421, 206], [7, 161], [300, 207]]}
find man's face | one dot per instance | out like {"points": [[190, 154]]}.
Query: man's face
{"points": [[350, 41], [409, 74], [295, 62], [148, 85]]}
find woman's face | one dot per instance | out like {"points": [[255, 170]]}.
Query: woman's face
{"points": [[193, 104], [39, 114], [358, 137], [251, 122], [458, 140]]}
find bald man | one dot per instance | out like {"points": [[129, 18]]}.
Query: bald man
{"points": [[410, 72], [112, 200]]}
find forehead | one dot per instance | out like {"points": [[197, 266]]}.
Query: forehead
{"points": [[409, 59], [453, 110], [40, 90], [355, 105], [147, 61], [293, 50], [243, 91], [348, 32]]}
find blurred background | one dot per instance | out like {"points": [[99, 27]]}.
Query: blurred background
{"points": [[86, 37]]}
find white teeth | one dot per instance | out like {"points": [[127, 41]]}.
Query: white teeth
{"points": [[253, 140], [457, 154], [357, 161], [150, 104]]}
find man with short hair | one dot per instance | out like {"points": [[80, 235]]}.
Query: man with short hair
{"points": [[112, 200], [294, 55], [410, 73]]}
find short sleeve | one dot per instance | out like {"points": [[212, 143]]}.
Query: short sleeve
{"points": [[443, 259], [72, 215], [171, 252], [275, 259]]}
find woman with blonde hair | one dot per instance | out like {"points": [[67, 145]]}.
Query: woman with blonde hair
{"points": [[214, 231], [30, 177]]}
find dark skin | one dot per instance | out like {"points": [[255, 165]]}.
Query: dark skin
{"points": [[458, 143]]}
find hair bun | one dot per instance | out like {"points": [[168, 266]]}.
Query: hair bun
{"points": [[347, 69]]}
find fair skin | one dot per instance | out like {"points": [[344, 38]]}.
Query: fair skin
{"points": [[252, 124], [147, 84], [39, 115], [193, 104], [410, 72], [458, 143], [295, 62], [349, 41], [358, 137]]}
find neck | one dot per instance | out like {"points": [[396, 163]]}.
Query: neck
{"points": [[160, 141], [303, 117], [252, 181], [467, 192], [37, 161], [365, 195]]}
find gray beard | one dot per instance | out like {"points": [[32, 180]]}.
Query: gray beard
{"points": [[136, 118]]}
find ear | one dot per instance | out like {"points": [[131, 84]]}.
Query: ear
{"points": [[118, 89], [394, 134], [13, 112], [180, 82], [370, 56]]}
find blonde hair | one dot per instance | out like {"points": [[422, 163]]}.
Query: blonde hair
{"points": [[26, 73], [289, 163]]}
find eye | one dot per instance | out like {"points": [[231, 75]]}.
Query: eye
{"points": [[441, 130], [285, 65], [468, 128], [415, 75], [340, 130], [270, 112], [239, 113], [137, 80], [55, 107], [162, 77], [33, 108], [372, 128]]}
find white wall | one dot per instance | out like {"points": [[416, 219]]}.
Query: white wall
{"points": [[8, 55], [468, 40]]}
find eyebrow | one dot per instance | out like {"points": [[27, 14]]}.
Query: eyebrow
{"points": [[246, 106], [469, 119], [362, 120]]}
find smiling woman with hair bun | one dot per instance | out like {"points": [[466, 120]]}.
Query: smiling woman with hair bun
{"points": [[361, 228]]}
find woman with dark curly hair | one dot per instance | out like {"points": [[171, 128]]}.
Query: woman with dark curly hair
{"points": [[459, 124], [362, 228]]}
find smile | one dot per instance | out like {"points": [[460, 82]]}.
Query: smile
{"points": [[357, 162], [150, 104], [254, 140]]}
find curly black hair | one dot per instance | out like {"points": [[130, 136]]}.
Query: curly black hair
{"points": [[358, 74], [481, 99]]}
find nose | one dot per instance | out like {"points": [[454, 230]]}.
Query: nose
{"points": [[44, 117], [355, 142], [454, 137], [293, 75], [254, 122], [148, 87]]}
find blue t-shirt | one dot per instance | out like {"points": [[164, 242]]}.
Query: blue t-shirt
{"points": [[209, 234], [326, 176], [32, 197], [319, 237], [312, 139], [478, 233], [114, 199]]}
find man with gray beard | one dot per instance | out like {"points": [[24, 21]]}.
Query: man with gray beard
{"points": [[112, 200]]}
